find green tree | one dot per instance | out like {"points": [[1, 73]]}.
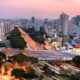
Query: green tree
{"points": [[20, 57], [48, 70], [41, 77], [18, 42], [76, 60], [77, 75], [64, 71], [2, 56], [36, 35], [33, 59], [72, 77], [31, 74], [15, 32], [18, 72], [45, 68]]}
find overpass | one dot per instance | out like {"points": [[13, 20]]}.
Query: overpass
{"points": [[42, 54]]}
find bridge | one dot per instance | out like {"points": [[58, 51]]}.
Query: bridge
{"points": [[42, 54]]}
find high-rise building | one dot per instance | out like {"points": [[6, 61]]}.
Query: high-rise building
{"points": [[46, 21], [1, 31], [33, 22], [39, 24], [75, 26], [64, 24], [23, 22], [33, 19], [5, 28], [36, 23]]}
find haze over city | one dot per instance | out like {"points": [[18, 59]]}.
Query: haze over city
{"points": [[38, 8], [39, 39]]}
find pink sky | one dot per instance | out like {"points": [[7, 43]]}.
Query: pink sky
{"points": [[38, 8]]}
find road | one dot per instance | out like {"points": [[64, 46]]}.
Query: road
{"points": [[53, 68], [41, 54]]}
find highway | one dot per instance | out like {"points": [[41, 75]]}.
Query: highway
{"points": [[42, 54], [37, 51], [53, 68]]}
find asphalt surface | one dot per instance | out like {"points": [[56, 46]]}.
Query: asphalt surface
{"points": [[42, 54]]}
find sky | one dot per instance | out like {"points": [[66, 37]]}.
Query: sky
{"points": [[38, 8]]}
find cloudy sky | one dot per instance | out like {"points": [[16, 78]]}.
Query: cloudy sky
{"points": [[38, 8]]}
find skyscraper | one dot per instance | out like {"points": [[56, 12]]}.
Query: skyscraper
{"points": [[64, 24], [1, 31], [33, 20], [5, 28]]}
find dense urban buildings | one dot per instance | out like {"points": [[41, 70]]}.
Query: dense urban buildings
{"points": [[62, 25], [40, 48], [39, 39]]}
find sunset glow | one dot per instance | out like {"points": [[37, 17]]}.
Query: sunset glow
{"points": [[38, 8]]}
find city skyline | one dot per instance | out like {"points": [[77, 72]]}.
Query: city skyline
{"points": [[38, 8]]}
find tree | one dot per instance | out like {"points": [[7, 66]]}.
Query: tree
{"points": [[64, 71], [30, 30], [41, 77], [15, 32], [18, 42], [48, 70], [76, 60], [45, 68], [30, 75], [20, 57], [2, 56], [36, 35], [33, 59], [18, 72], [75, 76], [72, 77]]}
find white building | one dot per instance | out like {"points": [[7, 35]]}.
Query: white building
{"points": [[1, 31], [5, 28], [50, 31], [64, 24]]}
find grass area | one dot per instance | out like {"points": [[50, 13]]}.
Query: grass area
{"points": [[61, 77]]}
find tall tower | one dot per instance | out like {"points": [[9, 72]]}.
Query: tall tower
{"points": [[1, 31], [5, 28], [33, 21], [64, 24]]}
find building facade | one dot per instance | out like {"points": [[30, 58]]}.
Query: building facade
{"points": [[5, 28], [64, 24]]}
